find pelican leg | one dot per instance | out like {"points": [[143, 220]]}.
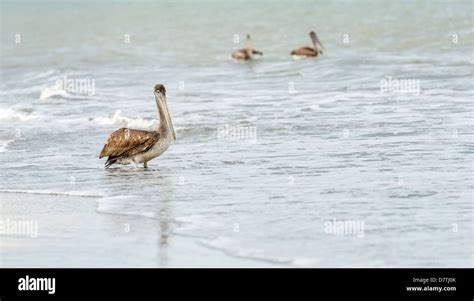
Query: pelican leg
{"points": [[145, 165]]}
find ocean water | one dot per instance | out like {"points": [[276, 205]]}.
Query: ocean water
{"points": [[320, 141]]}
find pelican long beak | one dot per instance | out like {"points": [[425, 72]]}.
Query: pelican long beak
{"points": [[161, 101], [170, 122], [248, 46], [318, 42]]}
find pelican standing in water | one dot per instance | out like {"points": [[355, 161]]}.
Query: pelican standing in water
{"points": [[304, 52], [128, 146], [247, 52]]}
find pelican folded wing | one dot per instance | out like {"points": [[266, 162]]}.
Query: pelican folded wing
{"points": [[128, 142]]}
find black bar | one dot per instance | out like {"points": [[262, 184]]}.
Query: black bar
{"points": [[243, 282]]}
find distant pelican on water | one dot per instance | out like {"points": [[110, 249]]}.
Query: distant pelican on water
{"points": [[247, 52], [304, 52], [128, 146]]}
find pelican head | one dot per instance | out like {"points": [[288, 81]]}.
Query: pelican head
{"points": [[316, 42], [159, 88], [166, 124]]}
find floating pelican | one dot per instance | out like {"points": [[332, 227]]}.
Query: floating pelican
{"points": [[247, 52], [126, 146], [308, 51]]}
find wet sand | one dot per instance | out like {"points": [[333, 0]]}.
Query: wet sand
{"points": [[71, 233]]}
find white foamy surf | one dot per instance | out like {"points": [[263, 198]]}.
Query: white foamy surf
{"points": [[4, 145], [133, 122], [121, 205], [49, 192], [11, 114]]}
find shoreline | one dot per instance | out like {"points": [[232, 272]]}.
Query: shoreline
{"points": [[71, 233]]}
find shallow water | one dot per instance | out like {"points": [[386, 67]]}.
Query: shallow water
{"points": [[321, 142]]}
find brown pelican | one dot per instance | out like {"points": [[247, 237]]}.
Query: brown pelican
{"points": [[126, 146], [247, 52], [308, 51]]}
